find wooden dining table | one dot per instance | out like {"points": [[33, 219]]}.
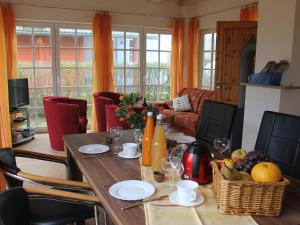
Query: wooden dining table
{"points": [[103, 171]]}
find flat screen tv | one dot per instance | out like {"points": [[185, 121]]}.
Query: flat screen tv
{"points": [[18, 92]]}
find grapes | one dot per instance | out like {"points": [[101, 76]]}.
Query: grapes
{"points": [[251, 159]]}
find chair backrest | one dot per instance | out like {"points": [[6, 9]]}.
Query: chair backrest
{"points": [[112, 95], [14, 207], [8, 164], [279, 138], [215, 121]]}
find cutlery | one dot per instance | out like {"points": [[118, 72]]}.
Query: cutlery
{"points": [[101, 154], [145, 201]]}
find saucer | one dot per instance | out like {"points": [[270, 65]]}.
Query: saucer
{"points": [[122, 154], [173, 197]]}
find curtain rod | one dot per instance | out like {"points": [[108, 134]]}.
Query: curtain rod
{"points": [[224, 10], [96, 11]]}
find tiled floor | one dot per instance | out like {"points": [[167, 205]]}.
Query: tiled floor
{"points": [[41, 144]]}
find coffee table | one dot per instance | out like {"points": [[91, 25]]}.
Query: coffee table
{"points": [[101, 172]]}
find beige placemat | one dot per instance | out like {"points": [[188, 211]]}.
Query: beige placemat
{"points": [[163, 212]]}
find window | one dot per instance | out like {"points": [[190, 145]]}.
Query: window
{"points": [[34, 56], [208, 59], [158, 61], [142, 68], [66, 72], [76, 64], [126, 47]]}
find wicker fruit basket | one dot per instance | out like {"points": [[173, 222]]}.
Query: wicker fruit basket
{"points": [[247, 197]]}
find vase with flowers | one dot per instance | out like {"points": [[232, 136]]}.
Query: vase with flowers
{"points": [[135, 117]]}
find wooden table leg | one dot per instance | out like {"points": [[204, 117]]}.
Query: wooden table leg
{"points": [[74, 173]]}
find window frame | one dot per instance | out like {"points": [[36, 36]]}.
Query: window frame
{"points": [[143, 41], [212, 69], [56, 76]]}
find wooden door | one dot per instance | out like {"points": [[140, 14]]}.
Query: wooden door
{"points": [[231, 38]]}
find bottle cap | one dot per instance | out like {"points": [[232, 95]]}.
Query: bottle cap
{"points": [[159, 116], [149, 113]]}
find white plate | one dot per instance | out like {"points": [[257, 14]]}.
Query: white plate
{"points": [[93, 149], [122, 154], [131, 190], [183, 139], [173, 197]]}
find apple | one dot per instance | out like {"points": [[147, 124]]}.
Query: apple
{"points": [[266, 172], [238, 155]]}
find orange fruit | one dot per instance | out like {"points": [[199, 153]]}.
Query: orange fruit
{"points": [[266, 172]]}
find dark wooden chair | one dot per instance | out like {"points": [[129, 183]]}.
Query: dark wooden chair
{"points": [[216, 120], [279, 138]]}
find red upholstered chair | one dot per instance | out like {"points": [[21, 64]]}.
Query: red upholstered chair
{"points": [[112, 120], [64, 116], [100, 100]]}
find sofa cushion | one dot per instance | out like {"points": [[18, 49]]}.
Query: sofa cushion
{"points": [[182, 104], [206, 95], [186, 119], [196, 96]]}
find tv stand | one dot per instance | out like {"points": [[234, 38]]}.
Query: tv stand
{"points": [[21, 131]]}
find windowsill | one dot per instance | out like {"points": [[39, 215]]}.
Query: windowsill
{"points": [[270, 86]]}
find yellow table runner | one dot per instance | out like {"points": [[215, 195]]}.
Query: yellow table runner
{"points": [[164, 213]]}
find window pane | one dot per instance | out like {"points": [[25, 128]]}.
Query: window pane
{"points": [[132, 77], [85, 93], [85, 77], [43, 57], [69, 92], [41, 121], [42, 40], [165, 59], [43, 78], [24, 36], [84, 38], [118, 39], [207, 60], [132, 41], [119, 89], [151, 93], [119, 77], [67, 38], [32, 97], [85, 57], [131, 89], [215, 41], [119, 58], [68, 77], [132, 58], [67, 57], [206, 75], [164, 93], [164, 77], [89, 113], [207, 42], [152, 42], [27, 73], [42, 92], [152, 59], [33, 116], [24, 57], [152, 77], [165, 42]]}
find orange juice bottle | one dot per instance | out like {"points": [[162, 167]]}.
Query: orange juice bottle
{"points": [[159, 145], [147, 141]]}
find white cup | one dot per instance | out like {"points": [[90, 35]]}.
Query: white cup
{"points": [[130, 149], [187, 190]]}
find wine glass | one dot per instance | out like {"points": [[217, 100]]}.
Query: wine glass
{"points": [[222, 145], [167, 170], [138, 138]]}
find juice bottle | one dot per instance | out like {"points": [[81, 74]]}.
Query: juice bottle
{"points": [[147, 141], [159, 145]]}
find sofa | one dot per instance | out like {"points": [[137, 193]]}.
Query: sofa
{"points": [[187, 122]]}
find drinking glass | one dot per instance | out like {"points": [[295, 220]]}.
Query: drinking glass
{"points": [[166, 127], [116, 133], [222, 145], [167, 170], [138, 138]]}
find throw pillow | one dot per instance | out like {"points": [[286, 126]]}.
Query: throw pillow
{"points": [[182, 104]]}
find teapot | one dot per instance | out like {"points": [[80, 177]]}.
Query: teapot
{"points": [[196, 163]]}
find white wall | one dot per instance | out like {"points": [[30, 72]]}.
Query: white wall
{"points": [[149, 14]]}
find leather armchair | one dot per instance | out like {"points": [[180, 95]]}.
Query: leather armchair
{"points": [[64, 116], [101, 99]]}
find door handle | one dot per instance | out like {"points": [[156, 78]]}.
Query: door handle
{"points": [[220, 82]]}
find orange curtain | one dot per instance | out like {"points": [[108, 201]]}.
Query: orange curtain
{"points": [[193, 53], [177, 57], [103, 56], [249, 13]]}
